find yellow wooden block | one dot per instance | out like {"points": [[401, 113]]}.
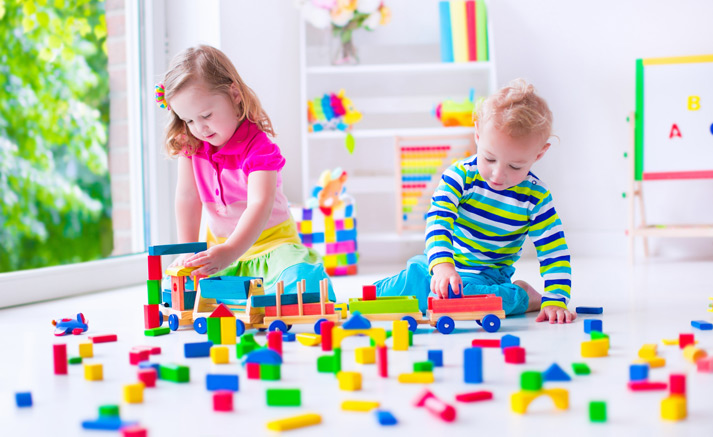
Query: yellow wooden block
{"points": [[693, 354], [648, 351], [674, 408], [308, 339], [399, 334], [86, 350], [228, 330], [180, 270], [220, 355], [134, 393], [653, 362], [519, 401], [376, 334], [341, 308], [349, 381], [294, 422], [348, 224], [94, 372], [359, 405], [670, 341], [416, 378], [365, 355], [595, 348], [306, 226], [330, 260]]}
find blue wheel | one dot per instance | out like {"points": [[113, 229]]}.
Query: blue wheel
{"points": [[160, 319], [491, 323], [318, 326], [200, 325], [445, 325], [173, 322], [412, 323], [277, 325], [289, 327], [239, 327]]}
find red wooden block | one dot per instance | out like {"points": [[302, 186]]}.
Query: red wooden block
{"points": [[177, 293], [253, 370], [223, 400], [685, 339], [308, 309], [148, 376], [103, 338], [155, 350], [481, 302], [474, 396], [678, 384], [514, 354], [646, 385], [59, 352], [155, 271], [382, 361], [368, 292], [482, 342], [326, 333], [134, 431], [135, 357], [274, 341], [351, 269], [152, 316]]}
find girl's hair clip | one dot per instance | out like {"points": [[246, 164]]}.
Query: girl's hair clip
{"points": [[160, 93]]}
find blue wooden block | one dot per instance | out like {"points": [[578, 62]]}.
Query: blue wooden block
{"points": [[268, 300], [451, 293], [436, 357], [589, 310], [288, 336], [592, 325], [226, 287], [23, 399], [555, 373], [473, 365], [173, 249], [508, 340], [638, 372], [221, 382], [385, 418], [356, 321], [263, 356], [149, 365], [196, 350], [702, 325], [107, 424]]}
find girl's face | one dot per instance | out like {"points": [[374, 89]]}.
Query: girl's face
{"points": [[504, 161], [210, 117]]}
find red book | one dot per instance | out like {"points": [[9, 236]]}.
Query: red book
{"points": [[470, 27]]}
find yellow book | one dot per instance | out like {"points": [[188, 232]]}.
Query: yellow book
{"points": [[459, 31]]}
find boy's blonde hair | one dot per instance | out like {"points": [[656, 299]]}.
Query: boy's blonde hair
{"points": [[516, 110], [213, 68]]}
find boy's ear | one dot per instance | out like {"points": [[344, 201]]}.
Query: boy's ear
{"points": [[476, 132], [542, 151]]}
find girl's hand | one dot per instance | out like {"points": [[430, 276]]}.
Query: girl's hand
{"points": [[555, 314], [211, 261], [443, 275], [180, 259]]}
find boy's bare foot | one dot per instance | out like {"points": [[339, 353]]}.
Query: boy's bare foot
{"points": [[535, 297]]}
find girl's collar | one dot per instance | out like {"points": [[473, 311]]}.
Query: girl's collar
{"points": [[235, 144]]}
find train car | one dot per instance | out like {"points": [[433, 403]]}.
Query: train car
{"points": [[385, 308]]}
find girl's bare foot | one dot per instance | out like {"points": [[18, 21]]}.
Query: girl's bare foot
{"points": [[535, 297]]}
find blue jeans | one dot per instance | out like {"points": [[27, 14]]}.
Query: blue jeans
{"points": [[416, 281]]}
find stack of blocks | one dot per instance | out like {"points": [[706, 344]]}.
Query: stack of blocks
{"points": [[531, 389], [222, 328], [674, 406], [333, 236]]}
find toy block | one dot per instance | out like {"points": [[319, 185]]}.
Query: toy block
{"points": [[483, 342], [702, 325], [416, 378], [670, 341], [693, 354], [674, 408], [253, 370], [107, 424], [677, 384], [307, 339], [423, 366], [308, 309], [246, 346], [435, 406], [378, 335], [220, 355], [406, 305], [365, 355], [362, 406], [223, 400], [653, 362], [705, 365], [178, 293], [646, 385], [134, 393], [382, 361], [153, 288], [474, 396], [473, 365], [155, 332], [476, 303], [274, 341], [531, 380], [685, 339], [595, 348], [555, 373], [638, 372], [270, 372], [214, 325], [368, 292], [342, 309], [598, 335], [197, 350], [135, 357], [597, 411], [264, 356], [400, 335], [23, 399], [102, 338], [327, 333], [176, 249], [148, 377], [589, 310], [592, 325], [648, 351], [349, 381], [356, 322], [94, 372], [580, 369], [385, 418], [228, 330], [519, 401], [174, 373], [110, 410], [514, 355], [283, 397], [154, 266], [134, 431], [508, 340], [295, 422], [86, 350], [74, 360], [215, 382], [288, 337], [436, 357]]}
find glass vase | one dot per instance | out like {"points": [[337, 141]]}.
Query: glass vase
{"points": [[343, 51]]}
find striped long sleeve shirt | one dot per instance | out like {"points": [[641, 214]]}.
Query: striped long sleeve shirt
{"points": [[477, 228]]}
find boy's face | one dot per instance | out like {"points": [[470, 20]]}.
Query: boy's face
{"points": [[504, 161]]}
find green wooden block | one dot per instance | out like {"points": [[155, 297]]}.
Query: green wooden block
{"points": [[597, 411], [175, 373], [325, 364], [531, 380], [385, 305], [410, 338], [154, 291], [596, 335], [108, 411], [247, 344], [270, 372], [214, 330], [580, 369], [283, 397], [337, 360], [423, 366], [74, 360], [155, 332]]}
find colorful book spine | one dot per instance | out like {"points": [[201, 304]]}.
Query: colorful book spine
{"points": [[481, 16], [458, 27], [470, 22], [444, 13]]}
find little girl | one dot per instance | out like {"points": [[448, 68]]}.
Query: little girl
{"points": [[229, 167]]}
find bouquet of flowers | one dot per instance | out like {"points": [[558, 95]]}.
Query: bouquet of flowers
{"points": [[345, 16]]}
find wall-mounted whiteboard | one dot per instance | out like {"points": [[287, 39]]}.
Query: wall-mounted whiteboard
{"points": [[674, 118]]}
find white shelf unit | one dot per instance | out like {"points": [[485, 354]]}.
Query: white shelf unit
{"points": [[396, 86]]}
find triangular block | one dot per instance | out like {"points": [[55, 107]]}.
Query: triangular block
{"points": [[222, 311], [555, 373], [264, 356], [357, 321]]}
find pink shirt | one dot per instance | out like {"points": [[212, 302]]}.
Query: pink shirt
{"points": [[222, 177]]}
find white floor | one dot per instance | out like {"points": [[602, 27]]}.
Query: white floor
{"points": [[656, 299]]}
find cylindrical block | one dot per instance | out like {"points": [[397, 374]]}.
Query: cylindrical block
{"points": [[677, 383]]}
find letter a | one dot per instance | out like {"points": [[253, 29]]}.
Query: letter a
{"points": [[675, 132]]}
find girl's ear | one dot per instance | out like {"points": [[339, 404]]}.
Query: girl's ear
{"points": [[235, 93]]}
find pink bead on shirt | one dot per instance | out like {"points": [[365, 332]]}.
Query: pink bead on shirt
{"points": [[222, 177]]}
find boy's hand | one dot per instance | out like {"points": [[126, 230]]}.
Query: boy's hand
{"points": [[210, 261], [443, 275], [555, 314]]}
